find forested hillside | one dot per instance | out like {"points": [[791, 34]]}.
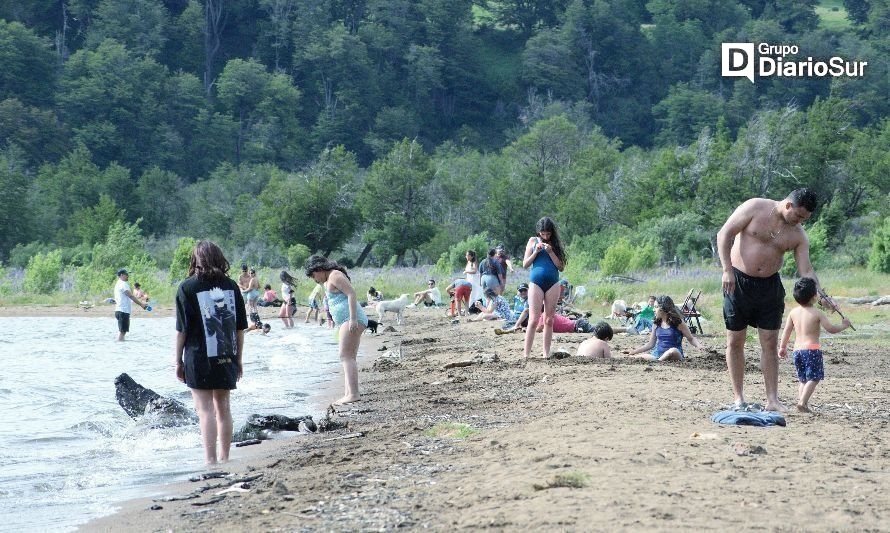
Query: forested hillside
{"points": [[386, 131]]}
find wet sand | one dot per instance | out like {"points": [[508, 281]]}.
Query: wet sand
{"points": [[569, 444]]}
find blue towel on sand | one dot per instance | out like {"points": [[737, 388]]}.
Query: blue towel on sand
{"points": [[747, 418]]}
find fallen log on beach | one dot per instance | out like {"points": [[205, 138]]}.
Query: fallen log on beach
{"points": [[142, 403], [148, 406]]}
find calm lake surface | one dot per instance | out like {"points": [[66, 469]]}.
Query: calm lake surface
{"points": [[69, 453]]}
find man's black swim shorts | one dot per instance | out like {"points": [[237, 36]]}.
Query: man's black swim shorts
{"points": [[756, 302]]}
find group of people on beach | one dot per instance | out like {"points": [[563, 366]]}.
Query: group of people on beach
{"points": [[751, 246], [211, 310]]}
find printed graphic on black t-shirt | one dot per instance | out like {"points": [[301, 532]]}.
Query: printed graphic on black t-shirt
{"points": [[218, 314]]}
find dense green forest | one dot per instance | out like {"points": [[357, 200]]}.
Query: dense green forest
{"points": [[387, 131]]}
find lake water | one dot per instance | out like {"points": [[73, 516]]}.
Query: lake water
{"points": [[69, 453]]}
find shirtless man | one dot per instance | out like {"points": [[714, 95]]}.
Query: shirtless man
{"points": [[751, 245]]}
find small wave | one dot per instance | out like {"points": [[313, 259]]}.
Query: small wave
{"points": [[44, 486], [90, 426], [50, 439]]}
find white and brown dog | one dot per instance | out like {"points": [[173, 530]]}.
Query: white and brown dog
{"points": [[396, 306]]}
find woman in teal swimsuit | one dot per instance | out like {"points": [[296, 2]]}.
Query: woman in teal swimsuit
{"points": [[347, 315], [546, 257]]}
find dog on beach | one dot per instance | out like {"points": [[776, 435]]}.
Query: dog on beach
{"points": [[372, 325], [619, 309], [396, 306]]}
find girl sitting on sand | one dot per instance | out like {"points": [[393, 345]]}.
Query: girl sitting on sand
{"points": [[668, 330], [497, 309]]}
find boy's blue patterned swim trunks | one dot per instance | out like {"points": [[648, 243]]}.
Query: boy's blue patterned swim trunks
{"points": [[809, 365]]}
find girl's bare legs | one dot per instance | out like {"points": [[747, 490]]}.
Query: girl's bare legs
{"points": [[204, 405], [349, 341], [535, 300], [671, 354], [805, 392], [223, 422], [550, 299]]}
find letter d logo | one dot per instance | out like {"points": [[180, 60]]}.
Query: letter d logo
{"points": [[737, 60]]}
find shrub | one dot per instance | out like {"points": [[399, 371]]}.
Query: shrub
{"points": [[5, 282], [22, 253], [123, 247], [582, 255], [617, 259], [879, 258], [297, 255], [43, 273], [455, 259], [182, 256], [644, 257], [605, 293], [818, 236], [679, 235]]}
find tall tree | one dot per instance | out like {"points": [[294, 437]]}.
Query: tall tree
{"points": [[394, 199], [15, 226], [214, 23], [316, 207], [139, 24], [28, 71]]}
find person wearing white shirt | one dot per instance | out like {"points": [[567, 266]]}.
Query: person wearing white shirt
{"points": [[122, 306], [430, 297]]}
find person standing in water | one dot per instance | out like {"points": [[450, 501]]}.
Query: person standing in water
{"points": [[347, 315], [210, 325], [122, 306]]}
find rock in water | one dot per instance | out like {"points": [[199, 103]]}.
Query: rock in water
{"points": [[160, 411]]}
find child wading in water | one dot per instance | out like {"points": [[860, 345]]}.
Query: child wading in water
{"points": [[666, 338], [805, 322]]}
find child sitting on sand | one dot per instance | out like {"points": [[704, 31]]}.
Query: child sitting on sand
{"points": [[497, 309], [598, 345], [805, 321], [668, 330]]}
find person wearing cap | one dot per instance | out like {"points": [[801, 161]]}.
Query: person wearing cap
{"points": [[122, 306], [430, 296], [520, 312], [520, 301]]}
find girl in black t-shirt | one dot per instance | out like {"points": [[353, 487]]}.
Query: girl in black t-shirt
{"points": [[210, 324]]}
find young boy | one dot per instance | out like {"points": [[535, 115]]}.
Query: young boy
{"points": [[316, 298], [598, 345], [805, 322]]}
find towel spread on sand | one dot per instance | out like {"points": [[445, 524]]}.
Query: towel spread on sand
{"points": [[746, 418]]}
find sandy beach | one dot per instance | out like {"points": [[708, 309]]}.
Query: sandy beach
{"points": [[569, 444]]}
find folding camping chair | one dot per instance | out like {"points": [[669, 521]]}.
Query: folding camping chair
{"points": [[689, 311]]}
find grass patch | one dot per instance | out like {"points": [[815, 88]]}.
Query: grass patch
{"points": [[454, 430], [832, 15], [572, 480]]}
